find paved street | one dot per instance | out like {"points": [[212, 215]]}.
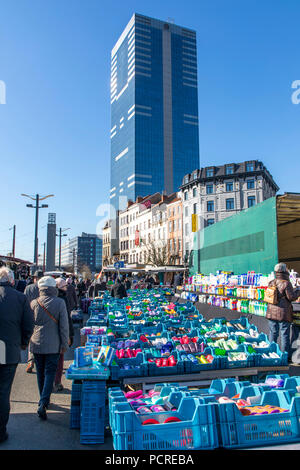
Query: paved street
{"points": [[27, 432]]}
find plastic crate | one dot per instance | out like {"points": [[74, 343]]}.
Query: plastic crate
{"points": [[140, 368], [281, 361], [153, 370], [92, 417], [191, 368], [95, 372], [141, 329], [225, 363], [196, 431], [75, 405], [238, 431]]}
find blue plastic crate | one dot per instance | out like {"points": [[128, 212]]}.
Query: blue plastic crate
{"points": [[95, 372], [238, 431], [148, 330], [75, 404], [281, 361], [75, 417], [225, 363], [92, 417], [139, 369], [191, 368], [196, 431], [153, 370]]}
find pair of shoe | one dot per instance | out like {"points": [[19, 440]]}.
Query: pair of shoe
{"points": [[57, 388], [4, 438], [29, 367], [42, 412]]}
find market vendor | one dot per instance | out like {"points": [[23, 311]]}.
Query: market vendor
{"points": [[280, 315]]}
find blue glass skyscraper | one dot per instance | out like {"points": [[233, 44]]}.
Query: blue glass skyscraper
{"points": [[154, 109]]}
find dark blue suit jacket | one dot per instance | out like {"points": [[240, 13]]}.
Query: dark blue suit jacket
{"points": [[16, 321]]}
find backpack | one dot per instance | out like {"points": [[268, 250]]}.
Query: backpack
{"points": [[271, 295]]}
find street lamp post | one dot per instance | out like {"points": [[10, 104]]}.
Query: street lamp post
{"points": [[60, 235], [37, 206], [73, 254], [44, 257], [13, 241]]}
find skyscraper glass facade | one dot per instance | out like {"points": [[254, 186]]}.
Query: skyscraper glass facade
{"points": [[154, 109]]}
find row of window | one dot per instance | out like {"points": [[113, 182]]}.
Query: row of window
{"points": [[210, 188], [229, 170], [174, 225], [210, 207]]}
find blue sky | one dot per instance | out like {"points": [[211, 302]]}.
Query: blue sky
{"points": [[54, 127]]}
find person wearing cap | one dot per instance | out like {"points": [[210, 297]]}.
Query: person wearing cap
{"points": [[50, 338], [16, 326], [280, 316], [32, 292], [62, 286]]}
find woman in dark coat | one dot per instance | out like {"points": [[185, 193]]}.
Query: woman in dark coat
{"points": [[280, 316]]}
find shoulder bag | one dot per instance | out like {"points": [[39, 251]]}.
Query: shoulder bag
{"points": [[48, 313]]}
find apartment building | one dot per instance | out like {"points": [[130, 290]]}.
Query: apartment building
{"points": [[143, 228], [174, 233], [217, 192]]}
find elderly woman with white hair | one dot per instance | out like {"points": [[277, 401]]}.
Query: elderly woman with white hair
{"points": [[50, 338], [280, 315], [16, 326]]}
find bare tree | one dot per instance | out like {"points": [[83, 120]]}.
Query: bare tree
{"points": [[157, 254], [86, 272], [68, 268]]}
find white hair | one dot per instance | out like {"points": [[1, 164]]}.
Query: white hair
{"points": [[7, 275]]}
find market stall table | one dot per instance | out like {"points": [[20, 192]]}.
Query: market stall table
{"points": [[203, 378]]}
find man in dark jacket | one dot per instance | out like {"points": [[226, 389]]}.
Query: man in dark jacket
{"points": [[177, 280], [32, 292], [118, 291], [280, 315], [71, 294], [16, 327]]}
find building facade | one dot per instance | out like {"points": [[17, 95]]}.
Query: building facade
{"points": [[110, 237], [217, 192], [84, 250], [154, 109], [174, 232], [143, 230]]}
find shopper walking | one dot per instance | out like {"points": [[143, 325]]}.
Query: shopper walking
{"points": [[16, 326], [32, 292], [81, 288], [280, 315], [127, 283], [62, 287], [118, 291], [71, 294], [50, 338]]}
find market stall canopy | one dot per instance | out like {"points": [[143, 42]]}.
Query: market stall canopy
{"points": [[165, 269], [288, 208], [123, 270], [11, 259], [288, 229], [57, 273]]}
